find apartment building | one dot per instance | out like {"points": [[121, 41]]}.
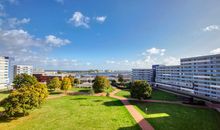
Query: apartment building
{"points": [[23, 69], [4, 72], [142, 74], [197, 76]]}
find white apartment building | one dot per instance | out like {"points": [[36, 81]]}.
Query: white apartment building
{"points": [[4, 72], [23, 69], [142, 74], [198, 76]]}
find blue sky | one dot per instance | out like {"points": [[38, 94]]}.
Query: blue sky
{"points": [[114, 34]]}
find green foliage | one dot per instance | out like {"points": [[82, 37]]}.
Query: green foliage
{"points": [[120, 78], [101, 84], [23, 99], [71, 80], [66, 84], [140, 89], [53, 84], [24, 80], [76, 81]]}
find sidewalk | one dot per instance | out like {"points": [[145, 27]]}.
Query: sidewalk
{"points": [[135, 114]]}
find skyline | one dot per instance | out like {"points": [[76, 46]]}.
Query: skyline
{"points": [[72, 35]]}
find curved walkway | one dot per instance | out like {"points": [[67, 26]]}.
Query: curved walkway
{"points": [[135, 114]]}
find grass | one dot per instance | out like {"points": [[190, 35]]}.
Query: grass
{"points": [[156, 95], [80, 89], [176, 117], [4, 94], [75, 113]]}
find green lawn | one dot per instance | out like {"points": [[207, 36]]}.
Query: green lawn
{"points": [[3, 94], [76, 113], [80, 89], [177, 117], [156, 95]]}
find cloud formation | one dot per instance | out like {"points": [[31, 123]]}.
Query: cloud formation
{"points": [[211, 28], [55, 41], [78, 19], [101, 19], [215, 51], [154, 51]]}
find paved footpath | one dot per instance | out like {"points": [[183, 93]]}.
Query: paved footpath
{"points": [[135, 114]]}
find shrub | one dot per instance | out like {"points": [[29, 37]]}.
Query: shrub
{"points": [[101, 84], [54, 83], [66, 84], [76, 81], [140, 89], [23, 99], [24, 80]]}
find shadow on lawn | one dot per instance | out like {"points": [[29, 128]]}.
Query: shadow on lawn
{"points": [[84, 91], [113, 103], [79, 99], [5, 92], [134, 127]]}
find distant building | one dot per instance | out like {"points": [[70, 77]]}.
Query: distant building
{"points": [[23, 69], [142, 74], [5, 72]]}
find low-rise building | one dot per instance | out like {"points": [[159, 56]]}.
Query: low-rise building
{"points": [[23, 69]]}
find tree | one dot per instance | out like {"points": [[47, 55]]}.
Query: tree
{"points": [[140, 89], [76, 81], [24, 80], [101, 84], [120, 78], [66, 84], [71, 80], [54, 83], [23, 99]]}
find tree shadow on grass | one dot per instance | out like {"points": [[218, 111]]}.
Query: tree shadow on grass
{"points": [[84, 91], [5, 92], [79, 99], [134, 127], [113, 103], [5, 119], [55, 93]]}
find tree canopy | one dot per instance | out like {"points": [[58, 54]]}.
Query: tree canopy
{"points": [[66, 84], [53, 84], [101, 84], [24, 80], [140, 89]]}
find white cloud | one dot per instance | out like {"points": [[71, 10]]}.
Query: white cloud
{"points": [[154, 51], [211, 28], [14, 22], [78, 19], [60, 1], [171, 61], [101, 19], [110, 62], [55, 41], [215, 51]]}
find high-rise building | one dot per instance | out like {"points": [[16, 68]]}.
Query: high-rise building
{"points": [[4, 72], [142, 74], [198, 76], [23, 69]]}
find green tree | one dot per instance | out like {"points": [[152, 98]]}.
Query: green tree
{"points": [[120, 78], [76, 81], [71, 80], [101, 84], [53, 84], [140, 89], [66, 84], [23, 99], [24, 80]]}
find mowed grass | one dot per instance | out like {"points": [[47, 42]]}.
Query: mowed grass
{"points": [[4, 94], [177, 117], [76, 113], [156, 95]]}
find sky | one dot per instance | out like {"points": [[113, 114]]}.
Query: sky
{"points": [[113, 34]]}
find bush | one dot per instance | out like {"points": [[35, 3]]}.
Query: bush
{"points": [[101, 84], [54, 83], [140, 89], [23, 99], [24, 80], [76, 81], [66, 84]]}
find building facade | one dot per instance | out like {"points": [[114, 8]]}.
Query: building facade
{"points": [[197, 76], [5, 73], [142, 74], [23, 69]]}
